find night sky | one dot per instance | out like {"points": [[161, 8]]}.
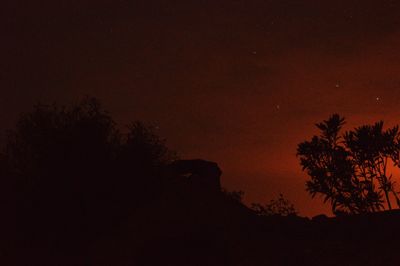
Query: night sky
{"points": [[237, 82]]}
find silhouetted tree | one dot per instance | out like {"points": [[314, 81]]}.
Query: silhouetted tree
{"points": [[373, 149], [347, 168], [75, 175], [279, 206]]}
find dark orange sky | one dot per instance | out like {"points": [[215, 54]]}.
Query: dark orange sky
{"points": [[238, 82]]}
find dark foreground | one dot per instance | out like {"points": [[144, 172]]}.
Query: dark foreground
{"points": [[180, 229], [74, 190]]}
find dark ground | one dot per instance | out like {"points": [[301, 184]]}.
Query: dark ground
{"points": [[180, 229]]}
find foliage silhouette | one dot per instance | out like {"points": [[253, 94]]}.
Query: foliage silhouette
{"points": [[373, 149], [351, 170], [76, 175], [276, 207]]}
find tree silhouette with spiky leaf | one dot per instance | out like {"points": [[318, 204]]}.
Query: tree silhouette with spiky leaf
{"points": [[351, 171]]}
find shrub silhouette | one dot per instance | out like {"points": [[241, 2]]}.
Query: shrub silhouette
{"points": [[351, 170], [276, 207], [73, 174]]}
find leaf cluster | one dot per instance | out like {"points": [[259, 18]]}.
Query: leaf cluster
{"points": [[351, 170]]}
